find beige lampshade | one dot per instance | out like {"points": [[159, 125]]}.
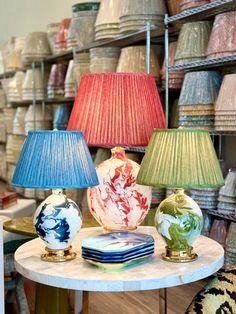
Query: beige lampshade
{"points": [[82, 30], [70, 81], [19, 121], [81, 65], [133, 59], [9, 114], [135, 14], [2, 99], [180, 158], [33, 86], [17, 144], [104, 59], [41, 121], [15, 87], [3, 133], [52, 30], [107, 21], [192, 42], [36, 47]]}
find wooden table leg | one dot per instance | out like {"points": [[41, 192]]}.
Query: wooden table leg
{"points": [[51, 300], [85, 302], [163, 301]]}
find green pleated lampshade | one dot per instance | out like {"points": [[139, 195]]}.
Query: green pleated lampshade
{"points": [[180, 158]]}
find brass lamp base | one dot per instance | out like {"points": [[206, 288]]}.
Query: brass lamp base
{"points": [[58, 255], [179, 256]]}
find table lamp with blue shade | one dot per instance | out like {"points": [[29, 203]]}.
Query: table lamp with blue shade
{"points": [[56, 160]]}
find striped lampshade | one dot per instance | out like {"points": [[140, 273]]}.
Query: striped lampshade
{"points": [[55, 159], [117, 109], [180, 158]]}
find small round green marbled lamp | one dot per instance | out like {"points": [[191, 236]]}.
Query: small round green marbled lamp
{"points": [[180, 158]]}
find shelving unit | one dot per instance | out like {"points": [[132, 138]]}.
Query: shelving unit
{"points": [[203, 12]]}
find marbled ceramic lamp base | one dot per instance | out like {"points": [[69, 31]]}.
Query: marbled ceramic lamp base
{"points": [[58, 255], [179, 256], [179, 221]]}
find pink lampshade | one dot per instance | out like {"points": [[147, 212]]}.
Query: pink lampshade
{"points": [[117, 109]]}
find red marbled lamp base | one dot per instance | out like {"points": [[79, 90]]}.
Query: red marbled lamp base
{"points": [[118, 203]]}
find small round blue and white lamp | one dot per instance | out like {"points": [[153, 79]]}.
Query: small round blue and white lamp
{"points": [[56, 160]]}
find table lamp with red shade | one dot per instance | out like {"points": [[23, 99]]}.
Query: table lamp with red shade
{"points": [[118, 110]]}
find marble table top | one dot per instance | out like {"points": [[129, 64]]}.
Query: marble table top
{"points": [[154, 274]]}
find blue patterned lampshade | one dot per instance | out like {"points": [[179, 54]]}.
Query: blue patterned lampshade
{"points": [[55, 159]]}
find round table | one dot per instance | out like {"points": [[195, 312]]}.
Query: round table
{"points": [[78, 274]]}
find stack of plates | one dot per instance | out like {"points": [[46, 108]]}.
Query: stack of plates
{"points": [[15, 87], [197, 98], [81, 65], [61, 44], [116, 250], [205, 198], [225, 107], [70, 81], [175, 78], [230, 247], [56, 81], [107, 21], [136, 14], [227, 195], [33, 87], [104, 59]]}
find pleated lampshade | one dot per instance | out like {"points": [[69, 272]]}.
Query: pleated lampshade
{"points": [[180, 158], [55, 159], [117, 109]]}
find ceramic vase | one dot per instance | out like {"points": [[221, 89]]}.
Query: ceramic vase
{"points": [[118, 203]]}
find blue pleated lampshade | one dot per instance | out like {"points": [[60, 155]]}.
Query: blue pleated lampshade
{"points": [[55, 159]]}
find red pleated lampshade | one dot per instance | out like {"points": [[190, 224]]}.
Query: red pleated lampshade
{"points": [[117, 109]]}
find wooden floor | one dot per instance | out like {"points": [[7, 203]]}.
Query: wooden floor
{"points": [[145, 302]]}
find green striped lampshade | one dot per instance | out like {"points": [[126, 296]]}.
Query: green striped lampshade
{"points": [[180, 158]]}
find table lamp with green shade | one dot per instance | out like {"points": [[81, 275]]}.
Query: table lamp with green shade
{"points": [[180, 158]]}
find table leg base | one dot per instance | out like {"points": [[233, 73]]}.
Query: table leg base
{"points": [[51, 300]]}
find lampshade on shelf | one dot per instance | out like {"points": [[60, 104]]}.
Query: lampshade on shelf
{"points": [[180, 158], [56, 160], [117, 109]]}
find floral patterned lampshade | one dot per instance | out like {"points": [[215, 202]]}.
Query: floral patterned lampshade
{"points": [[56, 160], [117, 109], [180, 158]]}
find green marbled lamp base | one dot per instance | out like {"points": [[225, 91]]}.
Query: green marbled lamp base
{"points": [[179, 220]]}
